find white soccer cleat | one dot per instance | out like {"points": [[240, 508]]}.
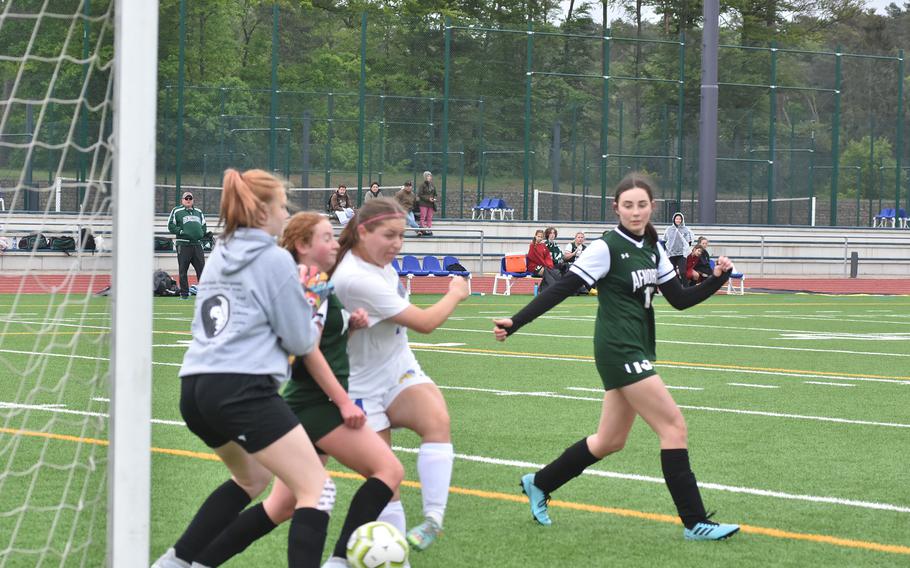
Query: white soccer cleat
{"points": [[169, 560]]}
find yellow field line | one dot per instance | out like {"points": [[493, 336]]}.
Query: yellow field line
{"points": [[563, 357], [498, 496]]}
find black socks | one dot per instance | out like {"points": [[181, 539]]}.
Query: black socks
{"points": [[367, 504], [683, 487], [568, 466], [249, 527], [218, 511], [306, 537]]}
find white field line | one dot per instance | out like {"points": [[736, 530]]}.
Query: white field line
{"points": [[599, 473], [799, 317], [671, 387], [578, 359], [702, 485], [45, 408], [100, 399], [754, 386], [703, 343], [778, 330], [829, 384], [71, 356], [503, 392]]}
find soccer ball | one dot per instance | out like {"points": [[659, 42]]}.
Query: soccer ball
{"points": [[376, 545]]}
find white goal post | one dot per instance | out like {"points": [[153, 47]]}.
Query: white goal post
{"points": [[129, 463]]}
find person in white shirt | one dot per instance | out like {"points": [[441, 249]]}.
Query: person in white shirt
{"points": [[386, 380], [574, 249]]}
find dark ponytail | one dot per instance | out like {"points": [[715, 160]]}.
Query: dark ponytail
{"points": [[370, 215], [641, 181]]}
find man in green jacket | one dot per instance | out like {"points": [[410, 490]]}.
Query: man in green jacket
{"points": [[188, 223]]}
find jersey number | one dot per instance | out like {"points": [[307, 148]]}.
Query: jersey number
{"points": [[638, 367], [649, 291]]}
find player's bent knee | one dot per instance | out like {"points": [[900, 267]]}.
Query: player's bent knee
{"points": [[602, 448], [254, 484]]}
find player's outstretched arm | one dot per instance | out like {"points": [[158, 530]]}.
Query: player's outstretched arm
{"points": [[682, 298], [548, 299], [427, 320]]}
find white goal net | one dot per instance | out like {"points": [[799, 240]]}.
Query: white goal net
{"points": [[70, 108]]}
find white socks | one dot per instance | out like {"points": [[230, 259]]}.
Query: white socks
{"points": [[434, 466], [394, 515]]}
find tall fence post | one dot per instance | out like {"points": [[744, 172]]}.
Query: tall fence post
{"points": [[445, 111], [604, 118], [707, 132], [899, 139], [361, 112], [835, 134], [680, 109], [181, 75], [772, 132], [273, 98], [527, 152]]}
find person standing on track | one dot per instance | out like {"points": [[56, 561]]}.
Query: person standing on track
{"points": [[188, 224]]}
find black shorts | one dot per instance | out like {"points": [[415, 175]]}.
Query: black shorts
{"points": [[247, 409]]}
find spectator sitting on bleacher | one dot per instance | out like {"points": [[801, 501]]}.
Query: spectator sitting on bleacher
{"points": [[559, 261], [407, 198], [373, 193], [693, 276], [341, 205], [574, 249], [703, 266], [540, 261]]}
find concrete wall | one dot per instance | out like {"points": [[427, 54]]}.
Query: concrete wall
{"points": [[756, 250]]}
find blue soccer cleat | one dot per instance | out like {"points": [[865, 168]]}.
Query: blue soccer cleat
{"points": [[710, 531], [538, 499]]}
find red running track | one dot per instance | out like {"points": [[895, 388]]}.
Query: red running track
{"points": [[84, 283]]}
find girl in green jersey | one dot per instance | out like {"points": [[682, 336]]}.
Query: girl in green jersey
{"points": [[627, 264]]}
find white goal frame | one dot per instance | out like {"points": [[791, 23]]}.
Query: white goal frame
{"points": [[129, 429]]}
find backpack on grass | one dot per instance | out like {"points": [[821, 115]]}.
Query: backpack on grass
{"points": [[163, 284]]}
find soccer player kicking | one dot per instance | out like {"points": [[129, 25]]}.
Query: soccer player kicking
{"points": [[386, 379], [317, 394], [627, 264]]}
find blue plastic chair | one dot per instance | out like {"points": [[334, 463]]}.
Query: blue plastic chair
{"points": [[410, 265], [449, 261], [885, 215], [480, 208], [432, 267], [396, 266]]}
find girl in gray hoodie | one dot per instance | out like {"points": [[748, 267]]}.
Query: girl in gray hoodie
{"points": [[678, 238], [250, 315]]}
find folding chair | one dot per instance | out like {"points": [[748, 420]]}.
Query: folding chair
{"points": [[478, 210], [505, 210], [885, 215], [731, 289], [507, 276]]}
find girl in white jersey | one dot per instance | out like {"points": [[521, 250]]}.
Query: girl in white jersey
{"points": [[386, 380]]}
